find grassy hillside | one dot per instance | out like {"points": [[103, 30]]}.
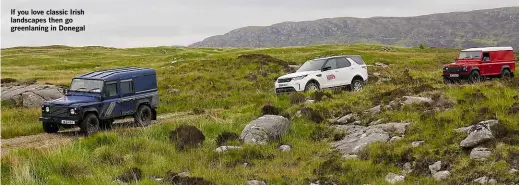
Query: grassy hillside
{"points": [[232, 88]]}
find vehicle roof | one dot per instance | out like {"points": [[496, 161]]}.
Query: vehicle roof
{"points": [[117, 73], [328, 57], [488, 49]]}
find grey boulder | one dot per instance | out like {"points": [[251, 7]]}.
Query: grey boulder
{"points": [[441, 175], [478, 133], [394, 178], [265, 128], [31, 95], [480, 154], [255, 182], [435, 167]]}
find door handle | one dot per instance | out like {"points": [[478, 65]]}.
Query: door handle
{"points": [[319, 75]]}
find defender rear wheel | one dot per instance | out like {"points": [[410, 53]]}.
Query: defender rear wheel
{"points": [[143, 116], [89, 125], [312, 86], [356, 85], [506, 74], [474, 77], [50, 127]]}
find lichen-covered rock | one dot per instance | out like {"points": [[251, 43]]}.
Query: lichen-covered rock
{"points": [[284, 148], [478, 133], [265, 128], [394, 178], [441, 175], [255, 182], [31, 95], [435, 167], [226, 148], [480, 154], [417, 143], [358, 137]]}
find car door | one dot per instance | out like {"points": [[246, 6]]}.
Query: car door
{"points": [[111, 107], [486, 65], [345, 74], [128, 100], [329, 72]]}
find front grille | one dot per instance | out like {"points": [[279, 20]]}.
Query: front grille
{"points": [[454, 69], [285, 89], [285, 80], [58, 111]]}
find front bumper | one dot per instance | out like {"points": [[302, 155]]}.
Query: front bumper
{"points": [[58, 120], [292, 86]]}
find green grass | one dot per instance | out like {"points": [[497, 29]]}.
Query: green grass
{"points": [[209, 78]]}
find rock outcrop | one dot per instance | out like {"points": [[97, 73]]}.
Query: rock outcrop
{"points": [[358, 137], [480, 154], [478, 133], [31, 95], [265, 128]]}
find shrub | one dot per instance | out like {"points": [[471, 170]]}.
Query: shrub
{"points": [[226, 137], [296, 98], [268, 109], [186, 136], [319, 95], [131, 175]]}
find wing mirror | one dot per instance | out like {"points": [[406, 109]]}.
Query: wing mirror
{"points": [[65, 91], [326, 68]]}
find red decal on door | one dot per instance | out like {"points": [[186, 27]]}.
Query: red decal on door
{"points": [[332, 76]]}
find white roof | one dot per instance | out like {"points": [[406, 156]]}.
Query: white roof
{"points": [[487, 49]]}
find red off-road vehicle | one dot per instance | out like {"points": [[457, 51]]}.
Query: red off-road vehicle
{"points": [[476, 64]]}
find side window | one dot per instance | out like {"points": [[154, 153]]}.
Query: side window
{"points": [[342, 62], [485, 57], [126, 87], [331, 64], [110, 89]]}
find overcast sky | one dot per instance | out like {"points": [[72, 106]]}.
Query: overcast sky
{"points": [[133, 23]]}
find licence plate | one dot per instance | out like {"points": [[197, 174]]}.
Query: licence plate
{"points": [[454, 75], [282, 85], [67, 122]]}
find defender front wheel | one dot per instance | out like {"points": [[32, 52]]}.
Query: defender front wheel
{"points": [[474, 77], [89, 125], [50, 127], [143, 116]]}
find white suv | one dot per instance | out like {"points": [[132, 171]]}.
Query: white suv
{"points": [[329, 72]]}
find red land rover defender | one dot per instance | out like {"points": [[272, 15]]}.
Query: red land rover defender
{"points": [[475, 64]]}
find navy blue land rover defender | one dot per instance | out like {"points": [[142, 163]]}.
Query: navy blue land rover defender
{"points": [[94, 100]]}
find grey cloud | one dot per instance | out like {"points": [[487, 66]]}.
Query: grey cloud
{"points": [[133, 23]]}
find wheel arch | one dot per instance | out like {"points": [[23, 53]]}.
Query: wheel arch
{"points": [[313, 81], [505, 67]]}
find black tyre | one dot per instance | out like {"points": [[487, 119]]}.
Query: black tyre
{"points": [[89, 125], [356, 85], [143, 116], [506, 74], [474, 77], [448, 81], [106, 124], [50, 127], [312, 86]]}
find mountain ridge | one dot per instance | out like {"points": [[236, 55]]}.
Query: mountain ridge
{"points": [[477, 28]]}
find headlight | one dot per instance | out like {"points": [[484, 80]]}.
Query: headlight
{"points": [[73, 111], [465, 69], [47, 109], [299, 77], [445, 69]]}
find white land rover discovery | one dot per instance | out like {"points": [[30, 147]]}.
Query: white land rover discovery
{"points": [[337, 71]]}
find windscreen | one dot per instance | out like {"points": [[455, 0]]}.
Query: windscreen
{"points": [[470, 55], [312, 65], [86, 85]]}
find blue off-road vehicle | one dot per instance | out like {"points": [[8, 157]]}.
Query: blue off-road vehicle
{"points": [[94, 100]]}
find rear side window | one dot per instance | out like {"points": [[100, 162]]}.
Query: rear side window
{"points": [[331, 63], [127, 87], [342, 62], [110, 89]]}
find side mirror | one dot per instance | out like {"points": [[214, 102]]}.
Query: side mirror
{"points": [[65, 91], [326, 68]]}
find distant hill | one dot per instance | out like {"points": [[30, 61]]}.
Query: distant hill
{"points": [[490, 27]]}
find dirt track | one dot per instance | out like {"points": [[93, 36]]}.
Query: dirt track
{"points": [[44, 140]]}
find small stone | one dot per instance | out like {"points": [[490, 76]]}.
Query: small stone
{"points": [[350, 156], [284, 148], [417, 143], [435, 167], [481, 180], [374, 110], [513, 171], [480, 154], [492, 181], [441, 175], [393, 178], [395, 138], [255, 182], [310, 101], [407, 168], [226, 148], [184, 174]]}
